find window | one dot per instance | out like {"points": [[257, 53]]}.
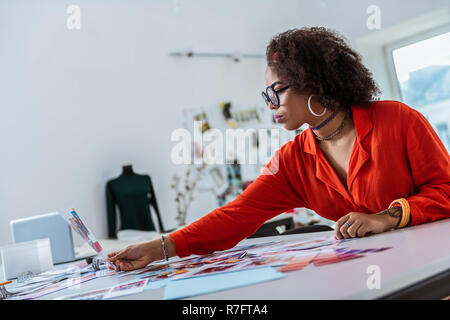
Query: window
{"points": [[421, 74]]}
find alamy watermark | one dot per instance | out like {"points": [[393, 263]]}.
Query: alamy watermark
{"points": [[74, 19], [374, 280], [248, 146], [373, 22]]}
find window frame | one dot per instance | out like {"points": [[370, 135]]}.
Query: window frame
{"points": [[389, 57]]}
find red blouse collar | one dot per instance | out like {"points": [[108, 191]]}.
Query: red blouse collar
{"points": [[363, 125]]}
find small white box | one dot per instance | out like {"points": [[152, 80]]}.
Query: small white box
{"points": [[34, 256]]}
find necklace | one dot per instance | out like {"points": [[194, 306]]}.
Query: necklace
{"points": [[335, 132], [326, 121]]}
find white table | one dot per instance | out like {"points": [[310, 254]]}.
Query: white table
{"points": [[418, 253]]}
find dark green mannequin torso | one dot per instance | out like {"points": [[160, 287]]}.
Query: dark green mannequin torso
{"points": [[132, 193]]}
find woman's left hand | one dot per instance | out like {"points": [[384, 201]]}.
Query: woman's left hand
{"points": [[356, 224]]}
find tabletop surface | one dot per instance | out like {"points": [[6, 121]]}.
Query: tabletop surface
{"points": [[417, 253]]}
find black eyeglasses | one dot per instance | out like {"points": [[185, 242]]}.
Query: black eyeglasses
{"points": [[271, 95]]}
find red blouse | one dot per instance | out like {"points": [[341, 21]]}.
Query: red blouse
{"points": [[396, 154]]}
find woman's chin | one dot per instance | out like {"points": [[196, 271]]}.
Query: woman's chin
{"points": [[288, 126]]}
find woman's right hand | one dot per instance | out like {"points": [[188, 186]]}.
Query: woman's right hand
{"points": [[132, 257], [140, 255]]}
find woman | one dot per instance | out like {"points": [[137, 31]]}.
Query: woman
{"points": [[371, 166]]}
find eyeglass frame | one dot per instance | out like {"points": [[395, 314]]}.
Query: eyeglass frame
{"points": [[265, 94]]}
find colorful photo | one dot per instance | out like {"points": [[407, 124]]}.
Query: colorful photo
{"points": [[129, 286]]}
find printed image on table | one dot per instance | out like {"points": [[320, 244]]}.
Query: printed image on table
{"points": [[91, 295], [129, 286]]}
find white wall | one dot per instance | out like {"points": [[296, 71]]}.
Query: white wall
{"points": [[77, 105]]}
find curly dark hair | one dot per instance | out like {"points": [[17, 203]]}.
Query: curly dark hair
{"points": [[318, 61]]}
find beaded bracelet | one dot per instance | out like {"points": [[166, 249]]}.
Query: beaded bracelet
{"points": [[405, 211], [166, 256]]}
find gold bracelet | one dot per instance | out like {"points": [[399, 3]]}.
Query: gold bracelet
{"points": [[405, 211]]}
